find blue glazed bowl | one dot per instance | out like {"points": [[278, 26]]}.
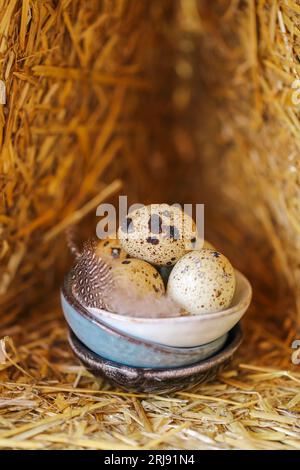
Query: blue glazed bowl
{"points": [[120, 347], [139, 379]]}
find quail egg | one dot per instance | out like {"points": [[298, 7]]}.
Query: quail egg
{"points": [[158, 233], [202, 282], [136, 278], [111, 249]]}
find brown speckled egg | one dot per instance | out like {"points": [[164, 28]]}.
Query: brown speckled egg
{"points": [[202, 282], [111, 248], [158, 233], [137, 278]]}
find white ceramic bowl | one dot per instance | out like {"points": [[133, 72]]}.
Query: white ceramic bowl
{"points": [[187, 331]]}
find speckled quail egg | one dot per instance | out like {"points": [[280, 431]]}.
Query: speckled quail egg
{"points": [[111, 249], [158, 233], [202, 282], [136, 278]]}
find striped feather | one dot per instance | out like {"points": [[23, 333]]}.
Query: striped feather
{"points": [[92, 281]]}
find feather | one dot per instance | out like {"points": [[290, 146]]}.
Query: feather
{"points": [[92, 281]]}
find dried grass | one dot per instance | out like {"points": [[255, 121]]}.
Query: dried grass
{"points": [[250, 56], [75, 75]]}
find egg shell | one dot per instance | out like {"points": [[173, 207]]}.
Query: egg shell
{"points": [[202, 282], [137, 278], [111, 249], [158, 233]]}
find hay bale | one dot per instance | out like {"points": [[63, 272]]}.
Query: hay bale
{"points": [[76, 74], [249, 56]]}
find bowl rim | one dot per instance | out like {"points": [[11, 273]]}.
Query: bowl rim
{"points": [[233, 342], [243, 302], [67, 295]]}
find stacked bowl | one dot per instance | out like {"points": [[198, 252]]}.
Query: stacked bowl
{"points": [[155, 354]]}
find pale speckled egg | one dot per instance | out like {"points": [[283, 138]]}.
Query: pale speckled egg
{"points": [[137, 278], [111, 248], [202, 282], [158, 233]]}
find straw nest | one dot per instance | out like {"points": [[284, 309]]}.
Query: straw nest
{"points": [[49, 401], [82, 111]]}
